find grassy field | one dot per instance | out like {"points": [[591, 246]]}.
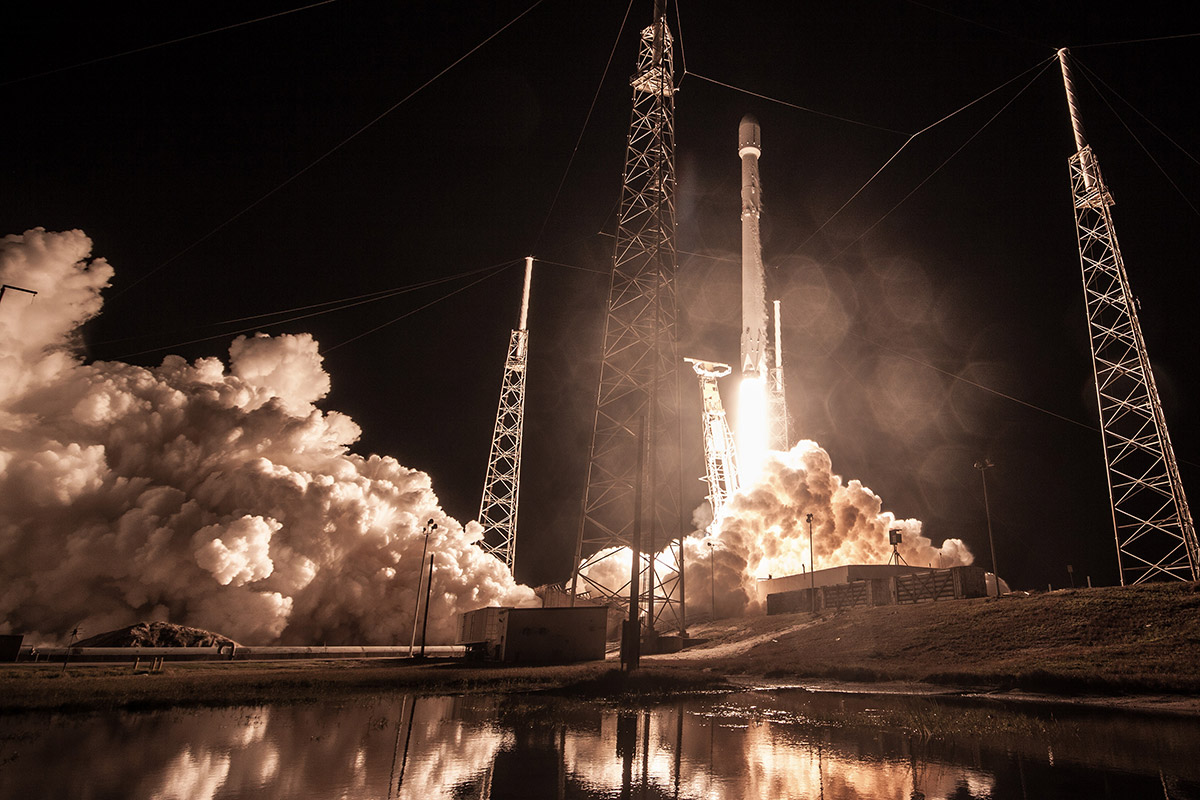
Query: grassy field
{"points": [[1142, 640], [1137, 639]]}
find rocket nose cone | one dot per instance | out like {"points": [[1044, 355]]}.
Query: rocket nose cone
{"points": [[748, 133]]}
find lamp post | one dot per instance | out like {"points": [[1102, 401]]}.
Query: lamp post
{"points": [[428, 528], [983, 466], [712, 576], [67, 657], [812, 578]]}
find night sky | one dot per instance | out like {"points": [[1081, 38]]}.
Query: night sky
{"points": [[930, 275]]}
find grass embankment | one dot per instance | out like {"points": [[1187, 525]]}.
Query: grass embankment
{"points": [[1140, 640], [100, 687], [1143, 639]]}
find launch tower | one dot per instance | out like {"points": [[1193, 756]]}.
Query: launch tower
{"points": [[502, 483], [1156, 538], [720, 454], [639, 377]]}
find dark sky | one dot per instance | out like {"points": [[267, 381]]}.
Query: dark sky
{"points": [[975, 274]]}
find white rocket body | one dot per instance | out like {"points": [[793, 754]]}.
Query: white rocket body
{"points": [[754, 292]]}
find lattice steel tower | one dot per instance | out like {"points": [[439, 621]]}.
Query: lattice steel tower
{"points": [[639, 371], [502, 483], [1155, 536]]}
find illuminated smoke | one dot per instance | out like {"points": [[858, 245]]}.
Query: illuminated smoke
{"points": [[202, 493], [764, 533], [767, 520]]}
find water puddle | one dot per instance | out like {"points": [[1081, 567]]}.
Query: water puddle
{"points": [[771, 744]]}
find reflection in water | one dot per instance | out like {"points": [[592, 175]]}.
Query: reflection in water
{"points": [[780, 744]]}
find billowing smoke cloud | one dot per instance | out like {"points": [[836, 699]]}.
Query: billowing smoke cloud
{"points": [[199, 493], [767, 520], [764, 532]]}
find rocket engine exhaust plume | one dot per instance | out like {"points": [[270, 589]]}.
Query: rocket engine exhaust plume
{"points": [[203, 494], [752, 428]]}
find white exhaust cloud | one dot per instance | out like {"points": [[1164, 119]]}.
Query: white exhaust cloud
{"points": [[202, 493], [764, 532]]}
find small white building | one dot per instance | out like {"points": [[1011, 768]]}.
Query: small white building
{"points": [[535, 635]]}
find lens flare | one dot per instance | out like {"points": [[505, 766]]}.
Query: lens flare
{"points": [[752, 427]]}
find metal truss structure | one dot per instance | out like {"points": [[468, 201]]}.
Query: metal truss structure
{"points": [[778, 433], [720, 452], [1155, 535], [502, 483], [639, 374]]}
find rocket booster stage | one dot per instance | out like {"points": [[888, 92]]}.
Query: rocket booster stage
{"points": [[754, 293]]}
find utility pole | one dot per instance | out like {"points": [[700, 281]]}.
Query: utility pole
{"points": [[428, 528], [812, 580], [983, 466], [428, 590], [712, 575], [1152, 525]]}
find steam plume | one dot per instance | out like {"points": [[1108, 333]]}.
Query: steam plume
{"points": [[764, 532], [200, 493]]}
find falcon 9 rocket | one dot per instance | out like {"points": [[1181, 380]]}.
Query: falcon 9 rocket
{"points": [[752, 400], [754, 295]]}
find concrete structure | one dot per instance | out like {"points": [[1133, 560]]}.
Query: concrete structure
{"points": [[870, 585], [535, 635]]}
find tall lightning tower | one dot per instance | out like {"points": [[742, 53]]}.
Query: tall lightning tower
{"points": [[639, 372], [1156, 538], [502, 483]]}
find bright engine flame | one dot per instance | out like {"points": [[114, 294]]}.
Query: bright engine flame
{"points": [[752, 427]]}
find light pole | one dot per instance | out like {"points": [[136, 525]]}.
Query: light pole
{"points": [[812, 578], [983, 466], [67, 657], [712, 576], [427, 529]]}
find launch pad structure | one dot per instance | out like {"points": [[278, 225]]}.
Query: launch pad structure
{"points": [[635, 446], [720, 452], [639, 373]]}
